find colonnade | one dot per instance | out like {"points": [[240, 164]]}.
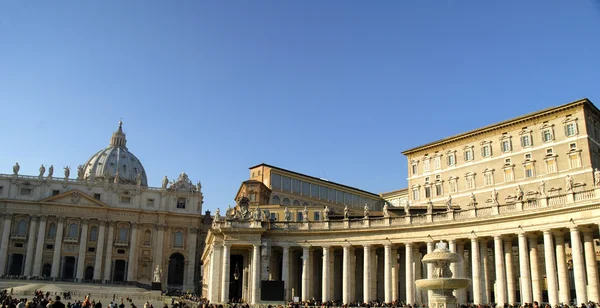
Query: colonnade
{"points": [[504, 268]]}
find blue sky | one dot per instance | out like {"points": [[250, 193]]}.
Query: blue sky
{"points": [[333, 89]]}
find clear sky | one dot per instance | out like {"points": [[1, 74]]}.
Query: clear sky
{"points": [[333, 89]]}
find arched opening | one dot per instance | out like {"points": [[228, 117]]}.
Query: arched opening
{"points": [[22, 227], [176, 268], [69, 268], [119, 273], [51, 231], [46, 270], [16, 264], [93, 234], [73, 231], [89, 273]]}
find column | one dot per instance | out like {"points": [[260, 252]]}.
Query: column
{"points": [[82, 249], [591, 265], [475, 268], [510, 277], [99, 250], [453, 266], [578, 266], [418, 274], [430, 267], [485, 282], [214, 270], [525, 275], [60, 226], [410, 293], [256, 274], [564, 295], [191, 271], [109, 250], [158, 251], [550, 268], [500, 297], [345, 276], [461, 295], [305, 273], [30, 245], [4, 243], [395, 274], [39, 248], [285, 272], [131, 262], [536, 288], [225, 273], [325, 296], [387, 274]]}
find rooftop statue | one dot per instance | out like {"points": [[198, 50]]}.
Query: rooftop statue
{"points": [[50, 171], [67, 171], [80, 172], [42, 170], [287, 215], [16, 168], [386, 212], [165, 182]]}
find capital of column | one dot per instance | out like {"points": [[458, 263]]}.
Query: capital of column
{"points": [[85, 221], [546, 232], [498, 237], [474, 239], [43, 218], [33, 216], [193, 229], [408, 245], [61, 219], [133, 224], [226, 245], [574, 228], [367, 247]]}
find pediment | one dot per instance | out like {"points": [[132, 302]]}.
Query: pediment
{"points": [[76, 197]]}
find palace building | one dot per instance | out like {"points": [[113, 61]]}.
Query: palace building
{"points": [[105, 225], [518, 200]]}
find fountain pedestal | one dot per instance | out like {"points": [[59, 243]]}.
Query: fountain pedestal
{"points": [[442, 284]]}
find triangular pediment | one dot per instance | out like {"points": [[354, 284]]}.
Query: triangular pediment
{"points": [[76, 197]]}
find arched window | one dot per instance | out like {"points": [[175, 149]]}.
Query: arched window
{"points": [[73, 230], [93, 234], [305, 204], [147, 237], [276, 200], [178, 241], [296, 203], [122, 234], [286, 201], [22, 227], [51, 231]]}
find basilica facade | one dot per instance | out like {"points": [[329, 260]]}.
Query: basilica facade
{"points": [[103, 225], [518, 200]]}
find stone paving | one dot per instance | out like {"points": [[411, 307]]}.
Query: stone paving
{"points": [[104, 293]]}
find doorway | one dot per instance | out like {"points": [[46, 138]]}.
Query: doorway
{"points": [[176, 268], [119, 273], [16, 264], [46, 270], [236, 276], [89, 273], [69, 268]]}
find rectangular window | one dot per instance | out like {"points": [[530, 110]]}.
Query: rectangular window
{"points": [[547, 135], [347, 198], [50, 247], [486, 151], [331, 195], [150, 202], [125, 199], [355, 200], [415, 194], [453, 186], [548, 151], [451, 159], [286, 184], [55, 192], [299, 216], [275, 181], [25, 191], [314, 191], [551, 166], [1, 189], [414, 169], [525, 141], [305, 188], [573, 146], [340, 197], [427, 192], [323, 193], [527, 156], [468, 155], [488, 178], [529, 172], [507, 160], [426, 165], [438, 163], [296, 186], [97, 196], [470, 181], [438, 189], [508, 175], [506, 146], [181, 203], [274, 216], [317, 215], [91, 249], [574, 161], [570, 129]]}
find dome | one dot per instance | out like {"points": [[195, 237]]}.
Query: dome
{"points": [[115, 161]]}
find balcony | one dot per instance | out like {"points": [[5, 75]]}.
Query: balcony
{"points": [[18, 237], [70, 240], [121, 243]]}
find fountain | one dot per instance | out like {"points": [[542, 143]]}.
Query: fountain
{"points": [[442, 284]]}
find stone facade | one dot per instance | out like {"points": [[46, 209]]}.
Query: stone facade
{"points": [[546, 234], [104, 226]]}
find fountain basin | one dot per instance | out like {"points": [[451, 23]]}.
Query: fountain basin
{"points": [[443, 283]]}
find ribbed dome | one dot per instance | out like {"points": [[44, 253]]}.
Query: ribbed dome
{"points": [[113, 160]]}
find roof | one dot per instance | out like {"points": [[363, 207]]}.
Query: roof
{"points": [[317, 179], [583, 101], [395, 192]]}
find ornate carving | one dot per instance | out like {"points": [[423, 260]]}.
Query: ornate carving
{"points": [[183, 184], [569, 183], [75, 197]]}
